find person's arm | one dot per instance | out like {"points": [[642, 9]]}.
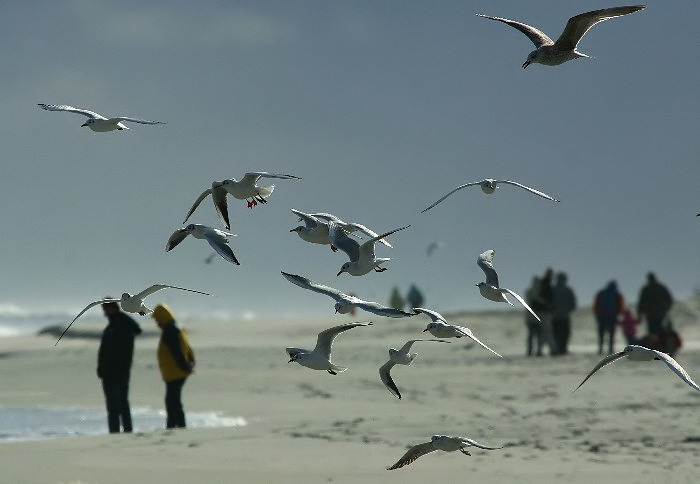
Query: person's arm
{"points": [[642, 303], [100, 361], [171, 338], [132, 325], [620, 303]]}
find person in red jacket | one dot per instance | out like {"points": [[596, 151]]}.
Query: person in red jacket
{"points": [[607, 306]]}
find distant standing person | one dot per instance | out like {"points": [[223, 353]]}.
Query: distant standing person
{"points": [[114, 365], [395, 300], [629, 323], [607, 306], [415, 297], [533, 341], [564, 304], [654, 304], [545, 312], [176, 363]]}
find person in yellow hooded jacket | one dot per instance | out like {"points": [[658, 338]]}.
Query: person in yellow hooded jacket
{"points": [[176, 363]]}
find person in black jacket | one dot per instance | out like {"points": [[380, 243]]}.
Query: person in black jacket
{"points": [[114, 365], [655, 302]]}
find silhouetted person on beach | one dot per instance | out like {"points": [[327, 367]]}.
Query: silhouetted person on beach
{"points": [[533, 340], [607, 306], [396, 301], [654, 304], [545, 311], [564, 304], [415, 297], [114, 365], [176, 363], [628, 324]]}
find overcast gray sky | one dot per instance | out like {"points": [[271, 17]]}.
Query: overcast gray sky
{"points": [[381, 108]]}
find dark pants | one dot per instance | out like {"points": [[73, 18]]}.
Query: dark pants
{"points": [[561, 329], [655, 324], [606, 324], [173, 403], [117, 399], [534, 337]]}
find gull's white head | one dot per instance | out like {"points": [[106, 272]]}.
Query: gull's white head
{"points": [[488, 186], [297, 229], [294, 354], [532, 57], [342, 308], [431, 326], [344, 268], [88, 122]]}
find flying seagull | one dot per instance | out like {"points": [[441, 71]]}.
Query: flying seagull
{"points": [[490, 289], [440, 328], [344, 303], [640, 353], [489, 186], [246, 188], [552, 53], [399, 357], [129, 303], [362, 257], [350, 227], [218, 240], [439, 442], [97, 122], [320, 357], [314, 229]]}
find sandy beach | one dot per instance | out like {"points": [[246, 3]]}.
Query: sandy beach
{"points": [[629, 423]]}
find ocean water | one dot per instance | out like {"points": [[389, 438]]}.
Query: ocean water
{"points": [[20, 424], [15, 321]]}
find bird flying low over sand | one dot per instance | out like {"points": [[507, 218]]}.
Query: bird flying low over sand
{"points": [[440, 328], [490, 289], [399, 357], [97, 122], [320, 357], [246, 188], [640, 353], [218, 240], [344, 303], [129, 303], [551, 53], [489, 186], [362, 257], [439, 442]]}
